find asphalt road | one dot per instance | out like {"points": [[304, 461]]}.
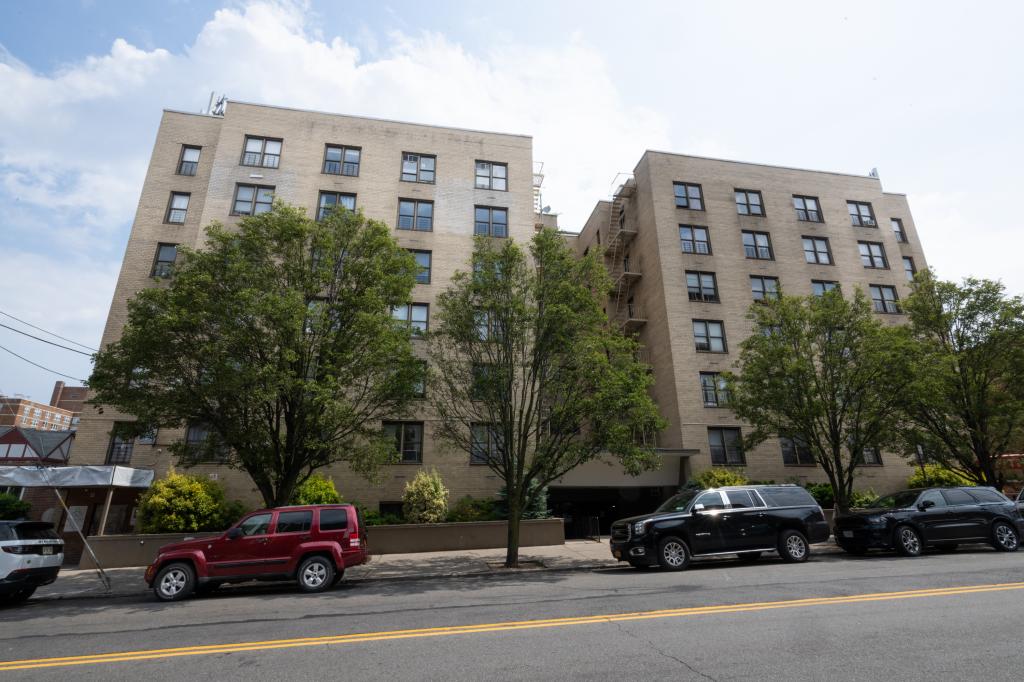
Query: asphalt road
{"points": [[940, 617]]}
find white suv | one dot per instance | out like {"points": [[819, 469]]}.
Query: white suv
{"points": [[31, 553]]}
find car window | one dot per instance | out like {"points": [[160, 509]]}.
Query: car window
{"points": [[739, 499], [677, 502], [6, 532], [710, 501], [294, 521], [934, 496], [35, 531], [789, 496], [900, 500], [333, 519], [957, 497], [986, 496], [258, 524]]}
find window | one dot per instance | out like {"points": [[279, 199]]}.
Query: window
{"points": [[197, 438], [764, 288], [257, 524], [740, 499], [694, 239], [147, 438], [957, 497], [164, 261], [725, 446], [189, 161], [748, 202], [709, 336], [339, 160], [861, 214], [714, 389], [872, 255], [491, 176], [120, 450], [253, 199], [871, 457], [820, 286], [177, 208], [807, 209], [757, 245], [491, 222], [415, 215], [294, 521], [484, 445], [419, 387], [701, 286], [423, 262], [333, 519], [711, 501], [816, 250], [408, 437], [933, 496], [688, 196], [897, 228], [786, 496], [884, 298], [986, 496], [908, 267], [331, 200], [416, 315], [418, 167], [262, 152], [483, 381], [795, 451]]}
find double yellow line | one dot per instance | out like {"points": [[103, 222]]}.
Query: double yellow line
{"points": [[149, 654]]}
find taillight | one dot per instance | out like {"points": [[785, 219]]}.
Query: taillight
{"points": [[16, 549]]}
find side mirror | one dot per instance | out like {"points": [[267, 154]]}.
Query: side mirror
{"points": [[927, 504], [234, 533], [697, 508]]}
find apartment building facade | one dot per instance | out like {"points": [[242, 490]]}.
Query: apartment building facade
{"points": [[691, 243], [29, 414], [434, 186]]}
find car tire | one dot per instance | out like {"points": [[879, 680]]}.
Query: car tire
{"points": [[673, 554], [1004, 537], [18, 597], [338, 575], [748, 557], [907, 541], [174, 582], [793, 546], [315, 574]]}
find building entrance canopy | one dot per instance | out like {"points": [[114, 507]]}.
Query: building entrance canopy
{"points": [[75, 477]]}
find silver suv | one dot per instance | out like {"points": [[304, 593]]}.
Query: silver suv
{"points": [[31, 553]]}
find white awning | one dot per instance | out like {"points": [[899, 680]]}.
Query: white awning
{"points": [[75, 477]]}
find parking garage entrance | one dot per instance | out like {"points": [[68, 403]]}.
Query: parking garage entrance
{"points": [[589, 511]]}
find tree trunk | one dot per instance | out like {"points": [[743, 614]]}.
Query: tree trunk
{"points": [[515, 513]]}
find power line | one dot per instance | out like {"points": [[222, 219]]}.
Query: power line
{"points": [[46, 331], [66, 376], [73, 350]]}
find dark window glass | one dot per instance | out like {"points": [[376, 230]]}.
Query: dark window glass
{"points": [[807, 209], [709, 336], [908, 268], [416, 315], [415, 215], [740, 499], [490, 221], [884, 299], [164, 260], [764, 288], [861, 214], [816, 251], [688, 195], [484, 446], [120, 450], [987, 496], [694, 239], [795, 451], [491, 176], [872, 255], [871, 457], [32, 531], [714, 389], [340, 160], [261, 151], [820, 286], [177, 208], [701, 286], [957, 497], [423, 261], [757, 245], [408, 439], [252, 200], [710, 501], [294, 521], [897, 228], [257, 524], [188, 164], [748, 202], [418, 167], [725, 446], [786, 496], [933, 496], [331, 200], [333, 519]]}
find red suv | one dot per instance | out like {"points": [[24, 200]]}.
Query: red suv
{"points": [[312, 545]]}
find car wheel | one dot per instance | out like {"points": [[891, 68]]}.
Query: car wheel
{"points": [[17, 597], [793, 546], [316, 574], [908, 541], [1004, 537], [673, 554], [748, 557], [174, 582]]}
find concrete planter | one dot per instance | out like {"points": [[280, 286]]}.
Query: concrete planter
{"points": [[117, 551]]}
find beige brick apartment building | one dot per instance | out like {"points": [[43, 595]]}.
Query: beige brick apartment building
{"points": [[691, 243], [677, 221]]}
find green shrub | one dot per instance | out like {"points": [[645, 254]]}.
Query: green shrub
{"points": [[425, 499], [863, 498], [936, 475], [822, 494], [537, 509], [372, 517], [183, 503], [716, 477], [12, 508], [472, 509], [316, 489]]}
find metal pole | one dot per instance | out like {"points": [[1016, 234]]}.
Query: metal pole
{"points": [[106, 510], [99, 569]]}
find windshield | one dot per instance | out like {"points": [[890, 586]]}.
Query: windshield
{"points": [[898, 500], [678, 502]]}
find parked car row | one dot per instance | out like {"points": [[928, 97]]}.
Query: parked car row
{"points": [[31, 554], [748, 521]]}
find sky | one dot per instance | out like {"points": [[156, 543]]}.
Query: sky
{"points": [[929, 93]]}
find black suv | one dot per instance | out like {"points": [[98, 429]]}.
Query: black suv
{"points": [[911, 520], [742, 520]]}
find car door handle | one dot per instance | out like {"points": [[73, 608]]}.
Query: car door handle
{"points": [[263, 541]]}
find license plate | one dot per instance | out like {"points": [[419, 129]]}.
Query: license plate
{"points": [[847, 533], [47, 550]]}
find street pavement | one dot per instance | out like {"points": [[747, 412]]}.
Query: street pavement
{"points": [[939, 617]]}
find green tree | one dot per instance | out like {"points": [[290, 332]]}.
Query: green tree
{"points": [[275, 340], [967, 405], [827, 373], [716, 477], [425, 499], [179, 503], [12, 508], [935, 475], [317, 489], [528, 377]]}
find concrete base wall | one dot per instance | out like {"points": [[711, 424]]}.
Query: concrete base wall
{"points": [[117, 551]]}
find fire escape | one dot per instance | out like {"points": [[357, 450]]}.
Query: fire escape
{"points": [[624, 267]]}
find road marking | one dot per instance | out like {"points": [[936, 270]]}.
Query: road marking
{"points": [[205, 649]]}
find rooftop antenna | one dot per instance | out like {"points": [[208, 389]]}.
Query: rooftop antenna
{"points": [[217, 105], [873, 173]]}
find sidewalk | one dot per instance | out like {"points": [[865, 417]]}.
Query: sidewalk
{"points": [[574, 555]]}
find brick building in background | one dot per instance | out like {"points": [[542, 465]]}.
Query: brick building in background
{"points": [[29, 414]]}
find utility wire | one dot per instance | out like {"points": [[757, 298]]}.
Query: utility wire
{"points": [[46, 331], [66, 376], [73, 350]]}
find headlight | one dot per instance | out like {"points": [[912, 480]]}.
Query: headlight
{"points": [[640, 527], [876, 521]]}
